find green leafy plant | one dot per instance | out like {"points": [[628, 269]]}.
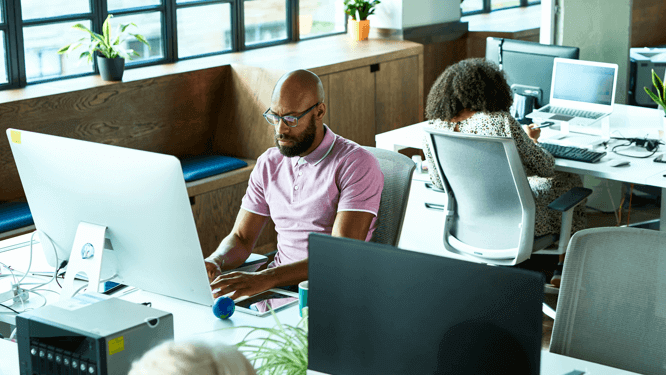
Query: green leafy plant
{"points": [[359, 10], [279, 350], [660, 96], [104, 44]]}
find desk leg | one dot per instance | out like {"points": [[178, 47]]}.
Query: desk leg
{"points": [[662, 215]]}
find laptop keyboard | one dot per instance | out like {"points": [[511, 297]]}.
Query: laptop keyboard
{"points": [[573, 153], [573, 112]]}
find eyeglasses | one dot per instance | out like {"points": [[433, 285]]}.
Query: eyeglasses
{"points": [[290, 121]]}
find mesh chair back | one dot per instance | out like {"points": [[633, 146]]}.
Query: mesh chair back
{"points": [[493, 218], [611, 307], [397, 170]]}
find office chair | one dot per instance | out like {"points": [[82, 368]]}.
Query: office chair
{"points": [[397, 170], [490, 208], [612, 303]]}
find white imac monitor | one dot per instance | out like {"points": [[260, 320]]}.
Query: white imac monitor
{"points": [[87, 196]]}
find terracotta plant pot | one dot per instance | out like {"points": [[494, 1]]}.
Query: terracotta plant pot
{"points": [[359, 29], [111, 69]]}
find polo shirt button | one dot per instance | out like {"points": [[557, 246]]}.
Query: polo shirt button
{"points": [[300, 173], [295, 187]]}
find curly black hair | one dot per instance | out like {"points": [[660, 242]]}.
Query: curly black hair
{"points": [[475, 84]]}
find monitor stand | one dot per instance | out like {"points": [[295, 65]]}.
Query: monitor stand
{"points": [[86, 257]]}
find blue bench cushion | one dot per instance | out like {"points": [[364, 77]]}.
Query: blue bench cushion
{"points": [[14, 215], [198, 167]]}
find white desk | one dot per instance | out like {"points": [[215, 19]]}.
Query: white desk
{"points": [[626, 121], [193, 320]]}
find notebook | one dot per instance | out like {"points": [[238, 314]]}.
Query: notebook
{"points": [[582, 94]]}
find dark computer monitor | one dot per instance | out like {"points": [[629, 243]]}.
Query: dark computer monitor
{"points": [[529, 69], [377, 309]]}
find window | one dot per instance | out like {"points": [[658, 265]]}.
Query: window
{"points": [[33, 31], [321, 17], [469, 7]]}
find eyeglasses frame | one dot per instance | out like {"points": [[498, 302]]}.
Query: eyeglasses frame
{"points": [[284, 118]]}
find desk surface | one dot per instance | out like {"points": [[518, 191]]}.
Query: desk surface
{"points": [[193, 320]]}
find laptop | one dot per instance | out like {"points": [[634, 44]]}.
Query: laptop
{"points": [[378, 309], [582, 94]]}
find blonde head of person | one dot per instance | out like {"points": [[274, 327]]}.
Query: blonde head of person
{"points": [[192, 358]]}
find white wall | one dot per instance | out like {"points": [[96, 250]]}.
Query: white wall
{"points": [[602, 31], [401, 14]]}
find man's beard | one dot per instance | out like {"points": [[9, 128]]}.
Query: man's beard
{"points": [[301, 144]]}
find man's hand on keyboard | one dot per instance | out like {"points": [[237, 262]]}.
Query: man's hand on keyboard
{"points": [[532, 131]]}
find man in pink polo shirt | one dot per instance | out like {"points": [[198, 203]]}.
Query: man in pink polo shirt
{"points": [[313, 181]]}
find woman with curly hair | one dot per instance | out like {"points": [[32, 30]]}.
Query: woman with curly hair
{"points": [[473, 96]]}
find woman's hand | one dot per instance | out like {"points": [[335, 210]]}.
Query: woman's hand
{"points": [[532, 131]]}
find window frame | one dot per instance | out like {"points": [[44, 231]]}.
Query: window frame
{"points": [[14, 42], [487, 7]]}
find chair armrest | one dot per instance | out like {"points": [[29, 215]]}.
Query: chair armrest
{"points": [[570, 199]]}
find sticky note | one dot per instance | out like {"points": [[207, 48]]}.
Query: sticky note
{"points": [[116, 345], [16, 136]]}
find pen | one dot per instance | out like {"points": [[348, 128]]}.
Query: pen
{"points": [[544, 125]]}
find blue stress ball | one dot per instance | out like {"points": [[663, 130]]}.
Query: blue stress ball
{"points": [[224, 307]]}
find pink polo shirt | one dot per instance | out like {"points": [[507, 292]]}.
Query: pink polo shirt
{"points": [[304, 194]]}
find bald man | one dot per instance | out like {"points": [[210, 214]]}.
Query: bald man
{"points": [[312, 181]]}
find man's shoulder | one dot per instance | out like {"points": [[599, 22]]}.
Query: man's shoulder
{"points": [[272, 156], [344, 148]]}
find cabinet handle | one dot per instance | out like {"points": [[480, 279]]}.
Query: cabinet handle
{"points": [[432, 187], [434, 206]]}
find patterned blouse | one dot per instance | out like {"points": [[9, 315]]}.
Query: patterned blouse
{"points": [[547, 185]]}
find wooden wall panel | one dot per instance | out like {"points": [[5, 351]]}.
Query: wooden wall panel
{"points": [[241, 129], [215, 213], [398, 103], [476, 41], [169, 114], [353, 105], [327, 100], [647, 23], [437, 57]]}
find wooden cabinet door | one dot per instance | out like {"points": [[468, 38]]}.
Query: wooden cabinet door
{"points": [[327, 100], [352, 105], [397, 92]]}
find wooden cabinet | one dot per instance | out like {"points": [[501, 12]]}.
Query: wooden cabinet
{"points": [[374, 99]]}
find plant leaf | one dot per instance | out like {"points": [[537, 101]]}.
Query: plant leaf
{"points": [[141, 39], [64, 49], [106, 29], [654, 97], [657, 83]]}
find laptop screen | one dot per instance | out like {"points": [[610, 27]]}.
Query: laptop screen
{"points": [[377, 309], [583, 83]]}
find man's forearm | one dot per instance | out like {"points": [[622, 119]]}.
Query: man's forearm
{"points": [[288, 274], [231, 253]]}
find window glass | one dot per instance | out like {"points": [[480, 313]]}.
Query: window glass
{"points": [[472, 6], [2, 15], [32, 9], [318, 17], [41, 44], [204, 29], [126, 4], [150, 26], [3, 59], [533, 1], [265, 20], [501, 4]]}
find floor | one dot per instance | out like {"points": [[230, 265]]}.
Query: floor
{"points": [[643, 209]]}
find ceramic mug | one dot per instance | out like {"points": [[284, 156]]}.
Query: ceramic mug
{"points": [[302, 296]]}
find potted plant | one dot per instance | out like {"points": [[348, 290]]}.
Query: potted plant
{"points": [[279, 350], [659, 97], [359, 10], [108, 50]]}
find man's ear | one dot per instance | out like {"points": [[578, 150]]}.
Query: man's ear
{"points": [[321, 111]]}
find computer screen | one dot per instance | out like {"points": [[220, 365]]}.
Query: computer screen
{"points": [[139, 196], [583, 82], [377, 309], [528, 65]]}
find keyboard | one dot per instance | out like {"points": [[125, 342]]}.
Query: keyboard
{"points": [[573, 153], [573, 112]]}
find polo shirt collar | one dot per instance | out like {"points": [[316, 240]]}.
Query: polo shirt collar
{"points": [[319, 153]]}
